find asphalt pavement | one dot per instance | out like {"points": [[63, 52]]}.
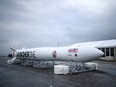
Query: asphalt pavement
{"points": [[17, 75]]}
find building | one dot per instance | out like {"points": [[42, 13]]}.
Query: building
{"points": [[107, 46]]}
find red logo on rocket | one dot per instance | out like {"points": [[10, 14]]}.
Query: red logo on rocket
{"points": [[54, 54]]}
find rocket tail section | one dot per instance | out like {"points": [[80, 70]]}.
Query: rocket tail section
{"points": [[11, 61], [12, 49]]}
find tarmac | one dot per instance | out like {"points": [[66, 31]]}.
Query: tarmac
{"points": [[17, 75]]}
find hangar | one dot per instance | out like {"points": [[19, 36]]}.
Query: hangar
{"points": [[107, 46]]}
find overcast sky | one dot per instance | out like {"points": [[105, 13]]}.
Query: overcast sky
{"points": [[37, 23]]}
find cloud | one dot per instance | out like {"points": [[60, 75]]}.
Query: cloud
{"points": [[96, 6], [28, 23]]}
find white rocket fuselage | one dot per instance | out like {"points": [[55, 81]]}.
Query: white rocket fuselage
{"points": [[77, 54]]}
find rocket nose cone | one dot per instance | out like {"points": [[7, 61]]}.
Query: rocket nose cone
{"points": [[88, 53], [94, 53], [99, 53]]}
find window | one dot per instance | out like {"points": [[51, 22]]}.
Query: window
{"points": [[107, 51], [112, 52]]}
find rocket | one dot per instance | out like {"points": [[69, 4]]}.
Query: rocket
{"points": [[75, 54]]}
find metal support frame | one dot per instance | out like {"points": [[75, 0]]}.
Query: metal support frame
{"points": [[53, 62], [73, 68], [40, 64], [36, 63], [80, 67], [43, 64], [26, 62]]}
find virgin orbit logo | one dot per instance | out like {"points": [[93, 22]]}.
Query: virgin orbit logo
{"points": [[54, 54]]}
